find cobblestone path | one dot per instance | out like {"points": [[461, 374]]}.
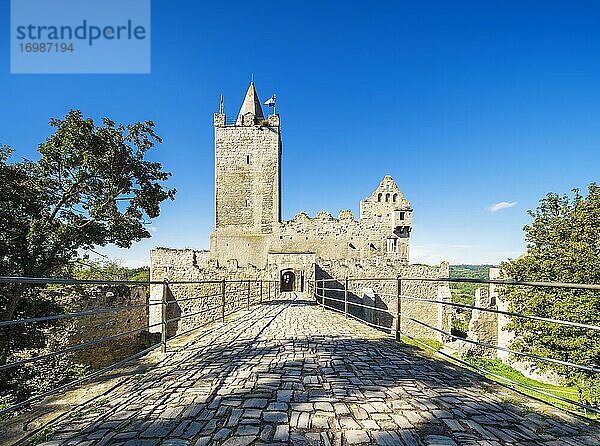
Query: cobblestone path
{"points": [[289, 372]]}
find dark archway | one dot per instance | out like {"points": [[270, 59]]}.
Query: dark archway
{"points": [[288, 281]]}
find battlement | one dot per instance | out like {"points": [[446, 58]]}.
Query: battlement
{"points": [[221, 120], [249, 231]]}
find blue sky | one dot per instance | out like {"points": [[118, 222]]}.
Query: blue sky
{"points": [[465, 104]]}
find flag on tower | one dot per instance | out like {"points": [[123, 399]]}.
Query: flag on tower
{"points": [[221, 105], [271, 101]]}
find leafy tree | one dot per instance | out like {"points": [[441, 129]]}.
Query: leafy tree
{"points": [[91, 186], [109, 270], [563, 245]]}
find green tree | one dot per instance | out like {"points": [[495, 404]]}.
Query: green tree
{"points": [[563, 245], [92, 186], [109, 270]]}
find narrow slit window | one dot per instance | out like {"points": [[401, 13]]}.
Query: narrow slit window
{"points": [[247, 159]]}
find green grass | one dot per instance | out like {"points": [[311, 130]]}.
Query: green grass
{"points": [[499, 368], [460, 328], [41, 437], [434, 344]]}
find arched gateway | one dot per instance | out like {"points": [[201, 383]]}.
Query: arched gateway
{"points": [[288, 281]]}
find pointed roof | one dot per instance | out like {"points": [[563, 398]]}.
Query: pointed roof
{"points": [[251, 104]]}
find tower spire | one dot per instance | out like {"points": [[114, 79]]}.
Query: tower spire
{"points": [[251, 105]]}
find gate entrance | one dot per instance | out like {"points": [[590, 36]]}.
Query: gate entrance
{"points": [[288, 281]]}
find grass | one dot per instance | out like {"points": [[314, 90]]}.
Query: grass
{"points": [[434, 344], [41, 437], [459, 328], [499, 368]]}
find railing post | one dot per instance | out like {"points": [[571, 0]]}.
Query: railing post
{"points": [[248, 303], [223, 301], [322, 295], [346, 297], [398, 308], [261, 291], [164, 315]]}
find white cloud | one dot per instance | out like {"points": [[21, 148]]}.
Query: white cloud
{"points": [[501, 205]]}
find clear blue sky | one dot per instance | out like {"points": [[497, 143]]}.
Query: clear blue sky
{"points": [[465, 104]]}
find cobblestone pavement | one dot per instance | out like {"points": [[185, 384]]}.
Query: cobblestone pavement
{"points": [[291, 373]]}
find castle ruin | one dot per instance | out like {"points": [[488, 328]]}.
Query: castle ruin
{"points": [[251, 240]]}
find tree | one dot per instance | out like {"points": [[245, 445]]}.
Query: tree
{"points": [[109, 270], [91, 186], [563, 245]]}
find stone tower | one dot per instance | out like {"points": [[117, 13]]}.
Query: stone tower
{"points": [[247, 180]]}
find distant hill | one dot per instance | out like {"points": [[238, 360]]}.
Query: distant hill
{"points": [[464, 293], [471, 271]]}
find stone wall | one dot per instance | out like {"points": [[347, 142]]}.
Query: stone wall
{"points": [[183, 265], [247, 171], [93, 327], [483, 326], [247, 189], [382, 293], [196, 304], [339, 238]]}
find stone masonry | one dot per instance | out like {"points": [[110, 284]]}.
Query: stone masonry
{"points": [[251, 241], [291, 373], [87, 328]]}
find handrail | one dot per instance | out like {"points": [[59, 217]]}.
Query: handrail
{"points": [[33, 399], [507, 313], [76, 347], [164, 321], [570, 285], [52, 280], [481, 371], [77, 314], [395, 328]]}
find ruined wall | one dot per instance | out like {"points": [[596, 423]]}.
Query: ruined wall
{"points": [[190, 299], [492, 329], [338, 238], [383, 229], [382, 294], [387, 204], [483, 326], [93, 327], [301, 264]]}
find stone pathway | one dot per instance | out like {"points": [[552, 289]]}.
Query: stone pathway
{"points": [[289, 372]]}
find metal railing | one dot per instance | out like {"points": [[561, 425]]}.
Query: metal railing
{"points": [[323, 287], [265, 290]]}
